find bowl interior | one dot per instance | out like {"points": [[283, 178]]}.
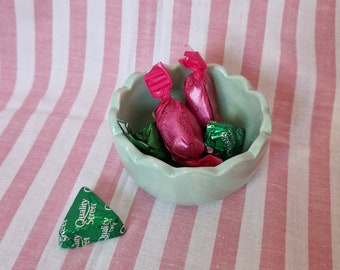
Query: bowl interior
{"points": [[233, 97]]}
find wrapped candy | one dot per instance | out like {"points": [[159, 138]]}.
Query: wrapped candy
{"points": [[89, 220], [147, 140], [224, 140], [199, 89], [178, 127]]}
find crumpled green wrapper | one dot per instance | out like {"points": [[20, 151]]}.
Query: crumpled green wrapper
{"points": [[224, 140], [148, 140], [89, 220]]}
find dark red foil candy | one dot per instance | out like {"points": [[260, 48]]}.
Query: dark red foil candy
{"points": [[207, 161], [178, 127], [199, 89]]}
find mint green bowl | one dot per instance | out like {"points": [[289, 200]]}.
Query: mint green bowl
{"points": [[238, 104]]}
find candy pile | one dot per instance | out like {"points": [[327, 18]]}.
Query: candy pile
{"points": [[191, 134]]}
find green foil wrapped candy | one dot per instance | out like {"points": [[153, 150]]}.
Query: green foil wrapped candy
{"points": [[224, 140], [89, 220], [148, 140]]}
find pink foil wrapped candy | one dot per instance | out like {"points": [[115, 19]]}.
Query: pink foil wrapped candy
{"points": [[199, 89], [178, 127]]}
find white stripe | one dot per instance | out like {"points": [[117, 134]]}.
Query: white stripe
{"points": [[21, 148], [60, 43], [335, 154], [93, 59], [128, 40], [298, 162], [271, 51], [236, 35], [88, 176], [252, 221], [162, 44], [162, 213], [25, 34], [30, 208], [203, 236], [126, 187], [15, 158], [121, 203], [155, 236], [199, 23], [99, 151]]}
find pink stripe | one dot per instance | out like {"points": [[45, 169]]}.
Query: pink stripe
{"points": [[274, 227], [65, 182], [36, 240], [146, 30], [319, 217], [178, 239], [228, 231], [43, 43], [8, 57], [181, 14], [26, 174], [109, 177], [177, 244], [133, 240], [136, 224], [254, 41], [142, 205], [219, 13], [33, 162], [107, 183]]}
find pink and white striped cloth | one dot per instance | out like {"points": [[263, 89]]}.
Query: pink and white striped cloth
{"points": [[60, 63]]}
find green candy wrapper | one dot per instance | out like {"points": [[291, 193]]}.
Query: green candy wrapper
{"points": [[89, 220], [148, 140], [224, 140]]}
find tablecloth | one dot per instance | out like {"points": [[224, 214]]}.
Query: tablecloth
{"points": [[62, 60]]}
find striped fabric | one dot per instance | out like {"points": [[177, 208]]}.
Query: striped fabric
{"points": [[60, 62]]}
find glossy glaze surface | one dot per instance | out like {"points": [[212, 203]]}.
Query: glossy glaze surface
{"points": [[238, 104]]}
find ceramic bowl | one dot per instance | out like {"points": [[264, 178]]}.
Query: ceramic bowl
{"points": [[238, 104]]}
